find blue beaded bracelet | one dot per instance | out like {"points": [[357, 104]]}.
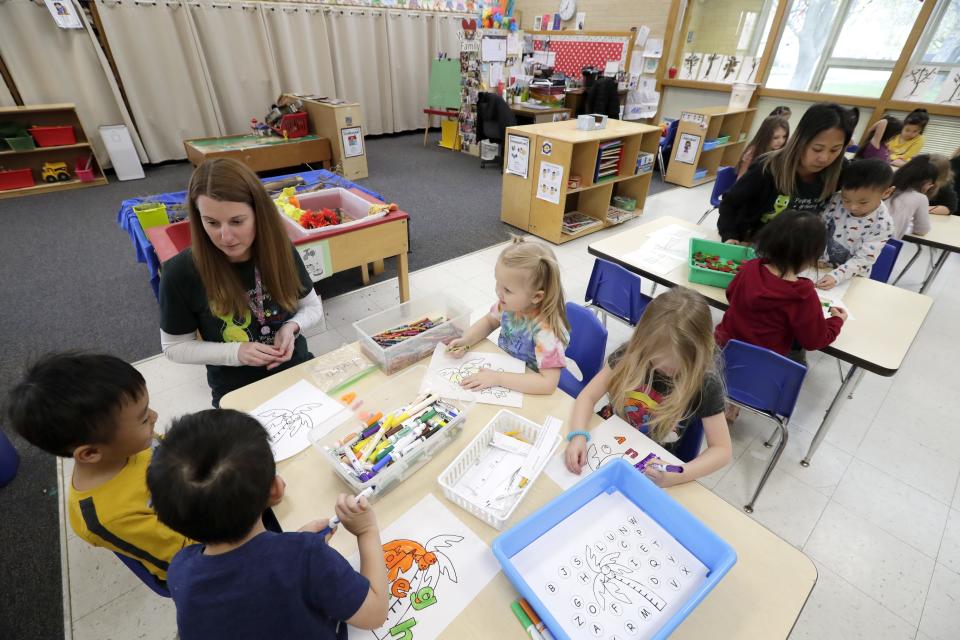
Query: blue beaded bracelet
{"points": [[574, 434]]}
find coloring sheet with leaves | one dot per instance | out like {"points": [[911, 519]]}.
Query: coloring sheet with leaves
{"points": [[435, 566], [456, 370], [610, 571], [612, 439], [289, 416]]}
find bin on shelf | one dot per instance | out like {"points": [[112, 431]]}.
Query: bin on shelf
{"points": [[53, 136], [16, 179]]}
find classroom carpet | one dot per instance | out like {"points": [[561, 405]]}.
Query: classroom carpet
{"points": [[71, 281]]}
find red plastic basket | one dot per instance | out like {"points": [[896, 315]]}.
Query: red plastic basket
{"points": [[16, 179], [84, 169], [53, 136], [295, 124]]}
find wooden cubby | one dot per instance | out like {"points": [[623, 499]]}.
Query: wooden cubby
{"points": [[576, 151], [709, 124], [45, 116]]}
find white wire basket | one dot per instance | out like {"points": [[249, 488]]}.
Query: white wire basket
{"points": [[504, 422]]}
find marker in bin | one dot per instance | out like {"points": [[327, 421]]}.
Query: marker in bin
{"points": [[334, 521]]}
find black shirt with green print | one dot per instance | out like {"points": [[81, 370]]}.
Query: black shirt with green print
{"points": [[754, 200], [184, 308]]}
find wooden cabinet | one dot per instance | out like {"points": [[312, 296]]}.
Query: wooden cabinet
{"points": [[557, 151], [707, 139], [342, 124]]}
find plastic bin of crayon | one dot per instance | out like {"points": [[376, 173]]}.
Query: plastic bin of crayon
{"points": [[404, 350], [394, 394]]}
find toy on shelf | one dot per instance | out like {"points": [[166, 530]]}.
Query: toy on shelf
{"points": [[55, 172]]}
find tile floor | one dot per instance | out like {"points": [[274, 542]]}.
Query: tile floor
{"points": [[878, 511]]}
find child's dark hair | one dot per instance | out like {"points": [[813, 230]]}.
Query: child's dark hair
{"points": [[793, 241], [915, 173], [70, 399], [917, 117], [866, 174], [210, 476], [891, 130], [782, 111]]}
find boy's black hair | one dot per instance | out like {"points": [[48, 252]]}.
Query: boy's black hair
{"points": [[70, 399], [793, 241], [211, 474], [866, 174], [913, 174], [780, 110], [918, 117]]}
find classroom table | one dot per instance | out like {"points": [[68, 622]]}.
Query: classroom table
{"points": [[944, 234], [885, 320], [533, 115], [761, 596], [261, 153], [143, 248]]}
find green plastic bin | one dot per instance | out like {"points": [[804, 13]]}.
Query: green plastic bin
{"points": [[710, 277], [21, 143], [151, 214]]}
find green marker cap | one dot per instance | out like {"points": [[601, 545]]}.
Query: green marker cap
{"points": [[521, 615]]}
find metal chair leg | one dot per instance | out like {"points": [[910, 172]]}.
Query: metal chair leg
{"points": [[663, 172], [653, 290], [773, 436], [856, 383], [840, 370], [704, 216], [782, 427], [909, 264]]}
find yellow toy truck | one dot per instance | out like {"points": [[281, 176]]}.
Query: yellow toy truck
{"points": [[55, 172]]}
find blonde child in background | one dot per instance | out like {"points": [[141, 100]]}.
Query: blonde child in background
{"points": [[532, 318], [909, 143], [858, 224], [660, 381], [943, 198]]}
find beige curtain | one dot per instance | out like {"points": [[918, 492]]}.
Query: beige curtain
{"points": [[446, 40], [238, 61], [6, 99], [53, 65], [361, 65], [411, 36], [154, 47], [301, 50]]}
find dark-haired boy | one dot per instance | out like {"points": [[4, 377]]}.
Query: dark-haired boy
{"points": [[211, 478], [95, 409], [858, 224]]}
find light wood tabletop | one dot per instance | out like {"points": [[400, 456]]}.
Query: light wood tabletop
{"points": [[944, 234], [761, 597], [885, 319]]}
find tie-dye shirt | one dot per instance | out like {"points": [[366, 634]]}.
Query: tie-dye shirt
{"points": [[530, 339]]}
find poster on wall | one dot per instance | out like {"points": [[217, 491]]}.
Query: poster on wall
{"points": [[687, 147], [690, 68], [915, 82], [352, 138], [950, 89], [518, 155], [64, 14], [550, 182]]}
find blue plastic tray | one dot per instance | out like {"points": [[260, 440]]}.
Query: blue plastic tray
{"points": [[713, 552]]}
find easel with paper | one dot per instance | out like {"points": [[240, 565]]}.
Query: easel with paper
{"points": [[444, 100]]}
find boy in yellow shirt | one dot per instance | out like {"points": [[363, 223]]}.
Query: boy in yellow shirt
{"points": [[909, 143], [95, 409]]}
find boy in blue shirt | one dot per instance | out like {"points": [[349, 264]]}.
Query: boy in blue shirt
{"points": [[211, 477]]}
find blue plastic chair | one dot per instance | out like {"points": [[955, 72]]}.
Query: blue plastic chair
{"points": [[883, 267], [688, 447], [666, 143], [155, 584], [726, 176], [9, 460], [588, 342], [612, 289], [767, 384]]}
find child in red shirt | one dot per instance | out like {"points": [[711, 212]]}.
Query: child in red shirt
{"points": [[770, 305]]}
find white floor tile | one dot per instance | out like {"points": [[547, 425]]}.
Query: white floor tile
{"points": [[824, 472], [920, 467], [161, 373], [139, 613], [327, 341], [176, 401], [885, 568], [941, 614], [347, 309], [837, 610], [900, 510], [949, 554], [97, 577]]}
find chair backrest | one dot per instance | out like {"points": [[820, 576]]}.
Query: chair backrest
{"points": [[588, 341], [726, 176], [671, 134], [761, 378], [147, 578], [688, 446], [616, 291], [883, 267]]}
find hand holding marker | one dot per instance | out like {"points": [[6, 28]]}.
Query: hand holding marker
{"points": [[334, 521]]}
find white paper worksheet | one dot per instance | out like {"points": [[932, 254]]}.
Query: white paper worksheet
{"points": [[610, 571], [456, 370], [289, 416], [664, 250]]}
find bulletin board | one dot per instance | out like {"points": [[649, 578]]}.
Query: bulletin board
{"points": [[578, 49]]}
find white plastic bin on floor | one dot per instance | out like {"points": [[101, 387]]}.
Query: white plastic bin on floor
{"points": [[740, 95], [123, 155]]}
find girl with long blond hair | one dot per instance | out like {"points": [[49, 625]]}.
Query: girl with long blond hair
{"points": [[660, 381], [238, 299], [532, 317]]}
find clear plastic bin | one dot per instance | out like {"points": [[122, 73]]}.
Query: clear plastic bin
{"points": [[399, 356], [353, 206], [397, 392]]}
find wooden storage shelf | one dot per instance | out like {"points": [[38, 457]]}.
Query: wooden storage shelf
{"points": [[709, 124], [576, 153], [47, 115]]}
